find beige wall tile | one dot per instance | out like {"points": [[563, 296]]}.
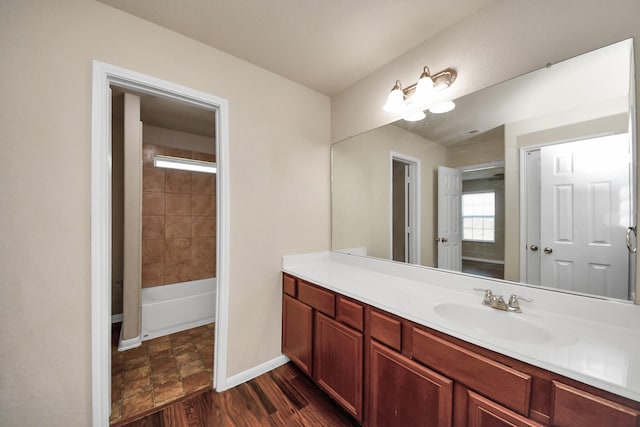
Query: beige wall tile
{"points": [[203, 226], [153, 274], [203, 183], [177, 182], [153, 251], [178, 227], [153, 227], [177, 273], [177, 251], [178, 204], [153, 203], [153, 179], [203, 205], [203, 248]]}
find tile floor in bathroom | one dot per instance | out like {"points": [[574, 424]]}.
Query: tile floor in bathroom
{"points": [[160, 371]]}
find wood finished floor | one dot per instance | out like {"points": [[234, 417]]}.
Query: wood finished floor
{"points": [[485, 269], [282, 397]]}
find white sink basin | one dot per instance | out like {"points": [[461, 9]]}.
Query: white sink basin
{"points": [[506, 326]]}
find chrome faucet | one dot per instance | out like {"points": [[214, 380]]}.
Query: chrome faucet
{"points": [[497, 302]]}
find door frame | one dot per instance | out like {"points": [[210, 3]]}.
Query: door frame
{"points": [[413, 209], [524, 214], [105, 75]]}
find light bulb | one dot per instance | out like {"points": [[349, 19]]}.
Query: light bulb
{"points": [[424, 87], [395, 101], [443, 107], [415, 116]]}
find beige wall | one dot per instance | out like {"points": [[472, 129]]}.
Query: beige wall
{"points": [[177, 139], [279, 168], [476, 152], [362, 184]]}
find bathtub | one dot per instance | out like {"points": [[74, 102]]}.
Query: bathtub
{"points": [[173, 308]]}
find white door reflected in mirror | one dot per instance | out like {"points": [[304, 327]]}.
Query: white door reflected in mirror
{"points": [[585, 212], [449, 218]]}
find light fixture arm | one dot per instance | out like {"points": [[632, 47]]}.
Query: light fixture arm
{"points": [[445, 77]]}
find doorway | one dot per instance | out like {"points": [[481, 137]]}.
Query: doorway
{"points": [[471, 219], [163, 342], [105, 76], [405, 205]]}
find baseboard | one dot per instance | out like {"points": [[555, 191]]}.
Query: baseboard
{"points": [[129, 344], [115, 318], [256, 371]]}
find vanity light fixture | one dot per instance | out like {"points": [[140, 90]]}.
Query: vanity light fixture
{"points": [[443, 107], [183, 164], [412, 100]]}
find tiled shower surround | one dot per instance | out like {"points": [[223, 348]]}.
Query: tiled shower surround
{"points": [[178, 220]]}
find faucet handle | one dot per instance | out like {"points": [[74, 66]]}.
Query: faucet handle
{"points": [[514, 301], [488, 295]]}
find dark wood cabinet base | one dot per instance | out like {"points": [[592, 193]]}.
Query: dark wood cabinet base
{"points": [[388, 371]]}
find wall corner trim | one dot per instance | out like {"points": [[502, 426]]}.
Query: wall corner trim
{"points": [[129, 343], [256, 371]]}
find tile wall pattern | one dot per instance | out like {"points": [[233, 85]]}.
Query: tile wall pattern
{"points": [[178, 220]]}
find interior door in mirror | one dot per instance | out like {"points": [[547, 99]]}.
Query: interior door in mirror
{"points": [[449, 218]]}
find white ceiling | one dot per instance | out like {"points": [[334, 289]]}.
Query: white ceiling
{"points": [[326, 45]]}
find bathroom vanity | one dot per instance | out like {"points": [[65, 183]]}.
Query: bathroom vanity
{"points": [[400, 345]]}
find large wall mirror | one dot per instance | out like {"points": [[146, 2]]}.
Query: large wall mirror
{"points": [[532, 181]]}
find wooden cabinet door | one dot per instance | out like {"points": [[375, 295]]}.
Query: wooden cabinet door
{"points": [[483, 412], [338, 363], [297, 332], [403, 393], [571, 407]]}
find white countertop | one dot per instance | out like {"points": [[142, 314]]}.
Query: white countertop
{"points": [[595, 341]]}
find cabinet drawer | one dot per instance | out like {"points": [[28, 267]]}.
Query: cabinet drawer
{"points": [[289, 285], [572, 407], [320, 299], [349, 312], [505, 385], [484, 412], [386, 329]]}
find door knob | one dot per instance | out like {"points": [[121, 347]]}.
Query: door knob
{"points": [[444, 240], [548, 250], [534, 248]]}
